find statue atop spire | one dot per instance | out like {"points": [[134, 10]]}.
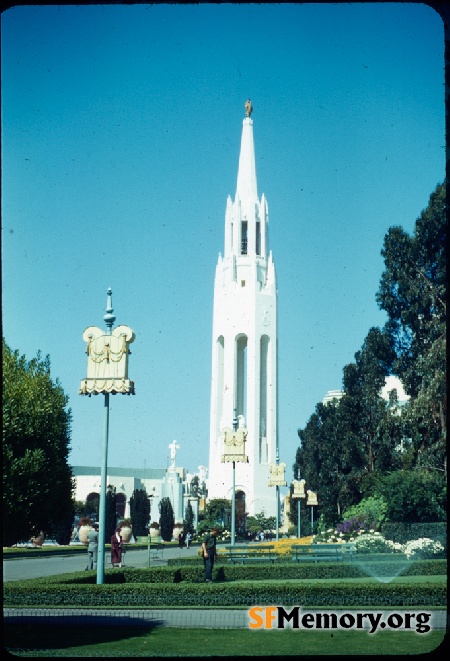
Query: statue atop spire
{"points": [[248, 108]]}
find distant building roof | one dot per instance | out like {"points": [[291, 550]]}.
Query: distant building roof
{"points": [[141, 473], [332, 394]]}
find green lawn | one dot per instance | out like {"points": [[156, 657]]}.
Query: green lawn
{"points": [[122, 642]]}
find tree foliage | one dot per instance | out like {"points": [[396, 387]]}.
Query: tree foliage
{"points": [[413, 292], [166, 519], [189, 519], [37, 479], [140, 512], [347, 445], [413, 496], [218, 511]]}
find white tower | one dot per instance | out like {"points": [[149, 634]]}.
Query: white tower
{"points": [[244, 351]]}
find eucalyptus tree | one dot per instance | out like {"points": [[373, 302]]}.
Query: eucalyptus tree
{"points": [[413, 292]]}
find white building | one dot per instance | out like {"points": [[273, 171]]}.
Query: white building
{"points": [[244, 341], [159, 483], [393, 383], [332, 395], [390, 383]]}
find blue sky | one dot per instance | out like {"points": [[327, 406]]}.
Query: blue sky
{"points": [[121, 129]]}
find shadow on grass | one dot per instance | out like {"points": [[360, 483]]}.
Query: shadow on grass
{"points": [[68, 631]]}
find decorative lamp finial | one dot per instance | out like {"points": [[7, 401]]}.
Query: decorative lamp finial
{"points": [[109, 318], [248, 108]]}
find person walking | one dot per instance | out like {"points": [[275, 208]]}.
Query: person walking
{"points": [[92, 538], [209, 552], [181, 540], [188, 539], [116, 548]]}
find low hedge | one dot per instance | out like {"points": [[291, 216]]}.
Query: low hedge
{"points": [[191, 571], [331, 594]]}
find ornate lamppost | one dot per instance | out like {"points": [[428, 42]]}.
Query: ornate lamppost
{"points": [[277, 480], [312, 500], [107, 373], [299, 492], [234, 450]]}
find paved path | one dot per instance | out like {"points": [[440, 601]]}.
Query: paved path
{"points": [[16, 569]]}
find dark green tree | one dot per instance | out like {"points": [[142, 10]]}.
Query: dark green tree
{"points": [[195, 486], [189, 519], [166, 519], [362, 410], [347, 439], [260, 522], [347, 446], [218, 511], [111, 512], [413, 292], [37, 479], [415, 496], [140, 512], [322, 460]]}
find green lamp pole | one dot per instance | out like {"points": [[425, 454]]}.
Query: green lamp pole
{"points": [[233, 491], [109, 319], [107, 373]]}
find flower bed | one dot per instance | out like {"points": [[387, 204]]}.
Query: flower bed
{"points": [[371, 541]]}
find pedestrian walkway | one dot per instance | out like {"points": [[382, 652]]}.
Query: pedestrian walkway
{"points": [[204, 618], [191, 618]]}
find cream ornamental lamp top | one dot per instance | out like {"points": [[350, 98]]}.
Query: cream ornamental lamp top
{"points": [[234, 445], [312, 498], [299, 488], [107, 369], [276, 475]]}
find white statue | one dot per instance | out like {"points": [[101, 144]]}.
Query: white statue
{"points": [[202, 473], [173, 451]]}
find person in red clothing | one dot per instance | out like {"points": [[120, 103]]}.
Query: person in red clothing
{"points": [[116, 548]]}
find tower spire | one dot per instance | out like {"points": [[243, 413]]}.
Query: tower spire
{"points": [[246, 189]]}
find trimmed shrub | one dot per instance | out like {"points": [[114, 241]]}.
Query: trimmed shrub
{"points": [[329, 595]]}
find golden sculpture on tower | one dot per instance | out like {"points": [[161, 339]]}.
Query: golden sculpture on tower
{"points": [[248, 108]]}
